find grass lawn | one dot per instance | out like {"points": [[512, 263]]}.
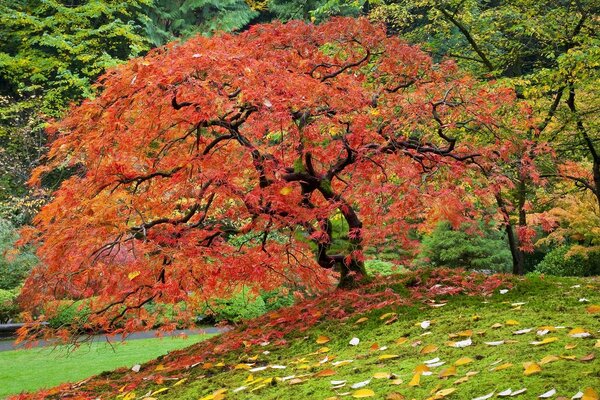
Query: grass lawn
{"points": [[31, 369]]}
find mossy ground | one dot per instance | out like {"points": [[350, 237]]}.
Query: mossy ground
{"points": [[546, 301]]}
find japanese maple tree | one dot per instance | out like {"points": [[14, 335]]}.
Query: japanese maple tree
{"points": [[221, 162]]}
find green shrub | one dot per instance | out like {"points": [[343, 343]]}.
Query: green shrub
{"points": [[13, 267], [381, 267], [9, 308], [70, 313], [557, 263], [276, 299], [458, 248], [243, 305]]}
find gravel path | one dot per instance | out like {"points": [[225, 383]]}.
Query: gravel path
{"points": [[9, 344]]}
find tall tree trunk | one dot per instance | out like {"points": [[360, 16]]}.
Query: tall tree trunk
{"points": [[518, 259]]}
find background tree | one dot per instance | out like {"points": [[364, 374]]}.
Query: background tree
{"points": [[267, 134]]}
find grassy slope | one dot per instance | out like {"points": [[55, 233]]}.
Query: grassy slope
{"points": [[45, 367], [549, 301]]}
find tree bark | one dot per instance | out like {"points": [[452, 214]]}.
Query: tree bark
{"points": [[518, 259]]}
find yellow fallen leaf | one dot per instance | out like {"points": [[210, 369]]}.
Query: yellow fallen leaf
{"points": [[430, 348], [397, 381], [394, 396], [570, 358], [548, 359], [161, 390], [467, 333], [362, 393], [463, 361], [419, 369], [512, 322], [461, 380], [129, 396], [416, 380], [440, 394], [545, 341], [497, 325], [531, 368], [593, 309], [322, 339], [503, 366], [133, 275], [387, 315], [179, 382], [578, 331], [382, 375], [159, 367], [450, 371], [388, 357], [402, 340], [361, 320], [323, 349], [471, 373], [597, 343], [242, 366], [590, 394], [570, 346]]}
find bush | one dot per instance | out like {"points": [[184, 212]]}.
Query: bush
{"points": [[381, 267], [70, 313], [457, 248], [13, 267], [276, 299], [559, 263], [9, 308], [243, 305]]}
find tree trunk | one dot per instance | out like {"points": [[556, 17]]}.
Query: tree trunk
{"points": [[513, 241]]}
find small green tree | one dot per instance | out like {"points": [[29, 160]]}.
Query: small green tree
{"points": [[460, 248], [13, 267]]}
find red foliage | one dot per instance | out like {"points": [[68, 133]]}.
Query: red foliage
{"points": [[218, 162]]}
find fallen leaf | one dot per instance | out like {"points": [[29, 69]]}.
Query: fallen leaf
{"points": [[548, 359], [387, 315], [450, 371], [325, 372], [462, 343], [501, 367], [361, 320], [579, 333], [588, 357], [512, 322], [531, 368], [419, 369], [416, 380], [498, 343], [382, 375], [593, 309], [354, 341], [362, 393], [322, 339], [136, 368], [374, 347], [497, 325], [396, 381], [440, 394], [505, 393], [522, 331], [518, 392], [430, 348], [544, 341], [548, 394], [590, 394], [388, 357], [361, 384], [570, 346], [425, 324], [467, 333], [402, 340], [597, 343], [461, 380], [463, 361]]}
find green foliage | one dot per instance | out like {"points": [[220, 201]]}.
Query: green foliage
{"points": [[168, 20], [560, 262], [14, 266], [71, 313], [459, 248], [8, 304], [381, 267], [276, 299], [241, 306]]}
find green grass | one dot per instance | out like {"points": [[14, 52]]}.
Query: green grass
{"points": [[550, 301], [31, 369], [547, 301]]}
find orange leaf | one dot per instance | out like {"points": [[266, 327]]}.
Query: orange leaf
{"points": [[322, 339], [531, 368], [325, 372], [430, 348]]}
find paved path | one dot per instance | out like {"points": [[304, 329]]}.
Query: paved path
{"points": [[9, 344]]}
